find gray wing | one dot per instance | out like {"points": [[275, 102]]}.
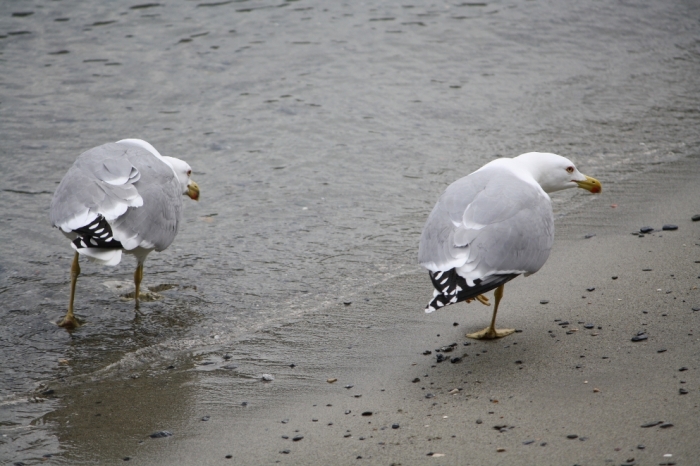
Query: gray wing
{"points": [[137, 193], [490, 222]]}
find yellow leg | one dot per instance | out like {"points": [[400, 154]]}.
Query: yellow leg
{"points": [[69, 321], [491, 332], [138, 276], [481, 298]]}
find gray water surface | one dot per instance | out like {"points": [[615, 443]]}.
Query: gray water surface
{"points": [[321, 134]]}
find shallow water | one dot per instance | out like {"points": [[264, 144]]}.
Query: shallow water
{"points": [[320, 133]]}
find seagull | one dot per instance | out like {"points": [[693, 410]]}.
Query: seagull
{"points": [[493, 225], [120, 197]]}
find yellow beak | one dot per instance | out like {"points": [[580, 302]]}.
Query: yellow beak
{"points": [[193, 190], [590, 184]]}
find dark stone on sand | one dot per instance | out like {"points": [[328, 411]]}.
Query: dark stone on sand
{"points": [[589, 326], [641, 447], [347, 435], [416, 380], [455, 324], [161, 434], [347, 411], [126, 458], [447, 349], [614, 277], [48, 392], [640, 337], [544, 301], [666, 425], [479, 421], [297, 438], [427, 352], [440, 357], [467, 343], [572, 436], [695, 218], [669, 227], [284, 421], [590, 235], [590, 289], [347, 303], [367, 413], [395, 426], [682, 391], [455, 360], [566, 322], [696, 309], [646, 229], [286, 437], [429, 395], [683, 369], [528, 442], [284, 452], [228, 457], [230, 367], [651, 424], [205, 418], [646, 270], [543, 444], [349, 386], [170, 367], [518, 361], [357, 396]]}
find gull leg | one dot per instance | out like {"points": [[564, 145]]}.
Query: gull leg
{"points": [[69, 321], [138, 276], [481, 298], [491, 332]]}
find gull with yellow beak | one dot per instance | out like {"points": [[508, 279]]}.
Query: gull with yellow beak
{"points": [[120, 197], [493, 225]]}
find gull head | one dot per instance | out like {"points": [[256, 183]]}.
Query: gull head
{"points": [[554, 172]]}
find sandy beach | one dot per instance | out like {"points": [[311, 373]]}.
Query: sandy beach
{"points": [[552, 394]]}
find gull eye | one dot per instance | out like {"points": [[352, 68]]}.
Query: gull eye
{"points": [[570, 169], [189, 172]]}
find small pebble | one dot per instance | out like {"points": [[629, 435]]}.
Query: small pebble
{"points": [[682, 369], [695, 218], [639, 337], [395, 426], [651, 424], [284, 452], [666, 425], [161, 434], [590, 235], [455, 360], [229, 456], [589, 326], [669, 227], [267, 378], [429, 395], [500, 450], [347, 411], [367, 413], [284, 421], [349, 386], [682, 391], [416, 380], [332, 380], [590, 289], [479, 421], [455, 324], [205, 418], [646, 229], [297, 438], [641, 447], [126, 458], [528, 442], [662, 350], [614, 277], [427, 352], [572, 436], [544, 301]]}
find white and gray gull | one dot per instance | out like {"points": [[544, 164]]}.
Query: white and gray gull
{"points": [[120, 197], [493, 225]]}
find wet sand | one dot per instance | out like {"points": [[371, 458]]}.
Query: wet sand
{"points": [[391, 404]]}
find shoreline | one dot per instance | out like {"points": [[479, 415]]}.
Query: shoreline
{"points": [[592, 383]]}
